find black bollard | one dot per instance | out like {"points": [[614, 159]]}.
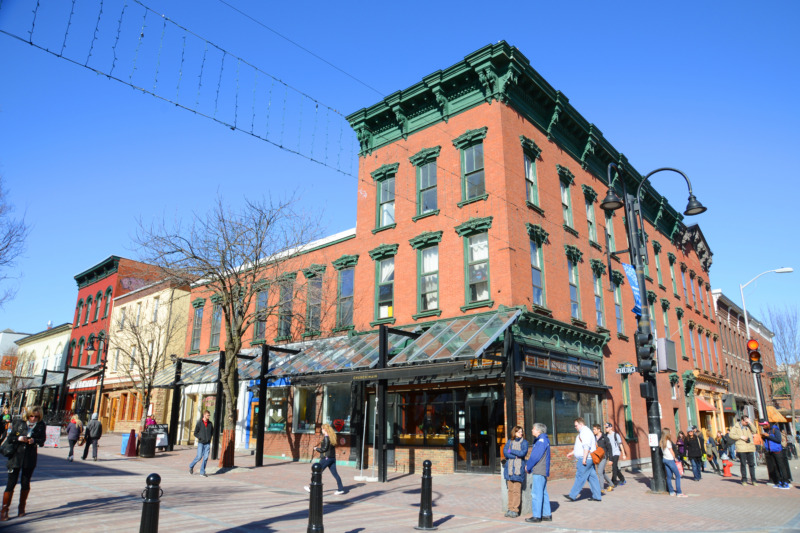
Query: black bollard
{"points": [[315, 501], [151, 504], [426, 500]]}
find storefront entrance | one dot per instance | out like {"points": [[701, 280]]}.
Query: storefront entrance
{"points": [[477, 421]]}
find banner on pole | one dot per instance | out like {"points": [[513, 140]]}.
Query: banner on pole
{"points": [[634, 283]]}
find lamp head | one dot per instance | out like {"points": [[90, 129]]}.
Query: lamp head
{"points": [[694, 207], [611, 202], [90, 348], [784, 270]]}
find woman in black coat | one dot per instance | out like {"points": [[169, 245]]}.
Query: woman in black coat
{"points": [[28, 435]]}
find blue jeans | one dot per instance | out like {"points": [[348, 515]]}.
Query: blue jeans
{"points": [[330, 462], [202, 453], [585, 472], [540, 500], [697, 464], [672, 470]]}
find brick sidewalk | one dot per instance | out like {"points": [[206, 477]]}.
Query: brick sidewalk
{"points": [[106, 496]]}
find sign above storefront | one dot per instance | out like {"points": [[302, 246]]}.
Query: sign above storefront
{"points": [[627, 370]]}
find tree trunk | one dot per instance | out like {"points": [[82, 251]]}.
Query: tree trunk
{"points": [[228, 446]]}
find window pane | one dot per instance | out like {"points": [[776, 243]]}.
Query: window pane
{"points": [[430, 301], [428, 201], [346, 312], [478, 247], [337, 407], [543, 409], [479, 292], [387, 214], [478, 155], [427, 176], [305, 409], [429, 283], [566, 411], [385, 292], [387, 190], [346, 282], [430, 259], [475, 185], [277, 408], [477, 273], [387, 270]]}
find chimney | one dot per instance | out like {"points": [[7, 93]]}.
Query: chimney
{"points": [[49, 324]]}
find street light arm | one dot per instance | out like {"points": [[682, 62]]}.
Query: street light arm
{"points": [[755, 278], [689, 183]]}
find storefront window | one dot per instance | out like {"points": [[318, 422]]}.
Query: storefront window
{"points": [[426, 418], [305, 409], [558, 409], [277, 407], [337, 407]]}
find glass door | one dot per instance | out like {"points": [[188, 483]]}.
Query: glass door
{"points": [[476, 442]]}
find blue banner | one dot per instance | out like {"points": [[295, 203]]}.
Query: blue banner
{"points": [[634, 283]]}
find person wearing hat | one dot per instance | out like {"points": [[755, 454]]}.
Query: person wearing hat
{"points": [[742, 435], [94, 430], [617, 449]]}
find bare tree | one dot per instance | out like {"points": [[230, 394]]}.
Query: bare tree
{"points": [[784, 324], [17, 373], [141, 347], [238, 256], [13, 233]]}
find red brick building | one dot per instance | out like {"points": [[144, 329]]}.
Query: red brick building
{"points": [[478, 214]]}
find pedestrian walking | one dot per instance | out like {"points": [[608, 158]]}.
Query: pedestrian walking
{"points": [[712, 449], [670, 463], [786, 442], [27, 435], [680, 446], [539, 468], [203, 433], [774, 456], [94, 430], [602, 442], [515, 451], [742, 435], [617, 449], [585, 444], [695, 451], [327, 453], [74, 431], [730, 445], [5, 423]]}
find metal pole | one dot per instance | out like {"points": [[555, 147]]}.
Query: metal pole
{"points": [[510, 393], [425, 522], [151, 504], [762, 411], [62, 392], [103, 353], [175, 411], [315, 501], [218, 407], [380, 398], [262, 405]]}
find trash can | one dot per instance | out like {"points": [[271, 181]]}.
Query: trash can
{"points": [[147, 445]]}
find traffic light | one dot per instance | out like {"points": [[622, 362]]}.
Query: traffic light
{"points": [[755, 357], [645, 350]]}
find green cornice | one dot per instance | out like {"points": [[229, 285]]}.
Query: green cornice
{"points": [[651, 297], [692, 273], [470, 137], [664, 304], [565, 174], [679, 311], [617, 277], [425, 239], [385, 171], [574, 253], [98, 272], [550, 334], [313, 271], [529, 146], [501, 73], [537, 233], [198, 302], [656, 246], [346, 261], [288, 276], [383, 251], [683, 266], [218, 298], [424, 156], [672, 257], [589, 193], [473, 226], [598, 267]]}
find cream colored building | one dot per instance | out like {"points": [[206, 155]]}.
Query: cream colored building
{"points": [[35, 353], [147, 326]]}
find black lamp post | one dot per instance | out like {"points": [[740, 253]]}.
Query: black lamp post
{"points": [[637, 251], [103, 350]]}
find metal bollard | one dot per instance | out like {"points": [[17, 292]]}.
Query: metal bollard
{"points": [[315, 501], [426, 499], [151, 504]]}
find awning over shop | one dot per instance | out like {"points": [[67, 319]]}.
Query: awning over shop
{"points": [[703, 405], [773, 415]]}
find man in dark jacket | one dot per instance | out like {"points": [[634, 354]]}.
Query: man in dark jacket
{"points": [[94, 430], [774, 454], [203, 432], [695, 451], [539, 467]]}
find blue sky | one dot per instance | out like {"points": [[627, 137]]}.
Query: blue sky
{"points": [[709, 88]]}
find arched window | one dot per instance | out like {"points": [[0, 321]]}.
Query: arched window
{"points": [[97, 305], [88, 309], [78, 313], [46, 359], [71, 354], [108, 302], [80, 351], [58, 357]]}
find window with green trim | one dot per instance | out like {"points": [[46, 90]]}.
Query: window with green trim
{"points": [[647, 265], [566, 204], [590, 220], [474, 180], [598, 300], [626, 404], [385, 289], [672, 276], [574, 294], [285, 309], [344, 312], [691, 345], [426, 188], [618, 308], [708, 351], [314, 304], [260, 330], [89, 309], [97, 305], [216, 325], [386, 202], [531, 183], [683, 279], [537, 274], [122, 318], [700, 292], [478, 267], [612, 245], [666, 324], [653, 319], [700, 348], [716, 354], [108, 303], [694, 297], [658, 268], [78, 311], [428, 279], [197, 326]]}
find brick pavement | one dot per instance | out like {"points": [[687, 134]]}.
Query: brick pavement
{"points": [[106, 496]]}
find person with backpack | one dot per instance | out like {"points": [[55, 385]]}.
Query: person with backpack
{"points": [[603, 442], [713, 453], [774, 455], [695, 451], [617, 449], [94, 430]]}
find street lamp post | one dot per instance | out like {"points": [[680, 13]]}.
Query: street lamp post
{"points": [[103, 351], [762, 404], [637, 251]]}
